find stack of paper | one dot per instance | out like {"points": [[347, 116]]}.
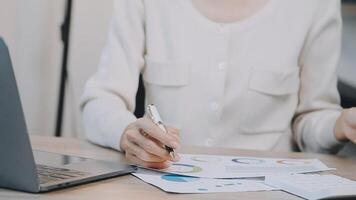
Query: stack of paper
{"points": [[186, 184], [212, 173]]}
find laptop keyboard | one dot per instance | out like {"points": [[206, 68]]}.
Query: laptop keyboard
{"points": [[48, 174]]}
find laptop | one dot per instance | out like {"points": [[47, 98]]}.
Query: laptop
{"points": [[18, 169]]}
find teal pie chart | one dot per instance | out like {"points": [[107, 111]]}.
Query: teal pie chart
{"points": [[178, 178]]}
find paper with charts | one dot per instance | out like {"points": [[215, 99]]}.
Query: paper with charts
{"points": [[185, 184], [213, 166]]}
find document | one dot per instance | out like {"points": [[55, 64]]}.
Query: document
{"points": [[314, 186], [214, 166], [185, 184]]}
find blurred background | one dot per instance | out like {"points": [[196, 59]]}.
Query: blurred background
{"points": [[32, 32]]}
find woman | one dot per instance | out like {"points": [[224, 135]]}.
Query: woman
{"points": [[253, 74]]}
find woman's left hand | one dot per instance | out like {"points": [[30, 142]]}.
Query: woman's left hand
{"points": [[345, 128]]}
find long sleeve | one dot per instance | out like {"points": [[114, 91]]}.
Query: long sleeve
{"points": [[109, 97], [319, 99]]}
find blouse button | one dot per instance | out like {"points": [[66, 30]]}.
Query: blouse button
{"points": [[222, 66], [222, 28], [208, 142], [214, 106]]}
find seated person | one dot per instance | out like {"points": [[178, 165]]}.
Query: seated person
{"points": [[250, 74]]}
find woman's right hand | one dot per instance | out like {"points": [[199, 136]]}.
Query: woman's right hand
{"points": [[143, 144]]}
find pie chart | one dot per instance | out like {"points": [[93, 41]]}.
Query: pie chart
{"points": [[206, 159], [178, 178], [293, 162], [184, 168], [248, 161]]}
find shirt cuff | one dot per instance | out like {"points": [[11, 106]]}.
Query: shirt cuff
{"points": [[105, 120], [116, 128], [326, 137]]}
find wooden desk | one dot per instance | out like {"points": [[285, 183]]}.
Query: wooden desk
{"points": [[130, 188]]}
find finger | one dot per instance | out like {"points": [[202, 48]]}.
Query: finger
{"points": [[142, 154], [124, 143], [148, 143], [174, 132], [157, 165], [152, 146], [174, 158], [154, 131]]}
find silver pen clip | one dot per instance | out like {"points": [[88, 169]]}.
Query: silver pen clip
{"points": [[156, 119]]}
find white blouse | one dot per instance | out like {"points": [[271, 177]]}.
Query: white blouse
{"points": [[263, 83]]}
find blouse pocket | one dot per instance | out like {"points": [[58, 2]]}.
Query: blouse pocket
{"points": [[166, 73], [167, 86], [271, 100]]}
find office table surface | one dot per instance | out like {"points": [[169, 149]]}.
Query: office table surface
{"points": [[128, 187]]}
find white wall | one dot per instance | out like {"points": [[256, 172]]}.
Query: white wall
{"points": [[89, 30], [31, 31]]}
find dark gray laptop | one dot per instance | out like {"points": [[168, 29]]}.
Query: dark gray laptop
{"points": [[17, 161]]}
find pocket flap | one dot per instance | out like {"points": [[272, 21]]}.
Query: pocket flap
{"points": [[168, 73], [275, 82]]}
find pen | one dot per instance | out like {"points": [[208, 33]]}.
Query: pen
{"points": [[156, 119]]}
